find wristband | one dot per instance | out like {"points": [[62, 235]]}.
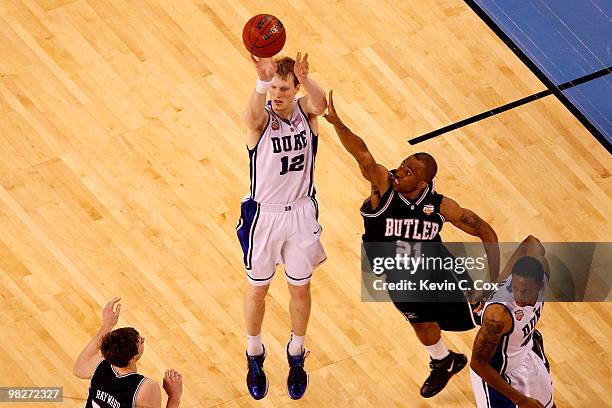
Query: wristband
{"points": [[262, 86]]}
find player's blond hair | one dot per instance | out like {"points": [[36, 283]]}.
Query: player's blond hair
{"points": [[284, 69]]}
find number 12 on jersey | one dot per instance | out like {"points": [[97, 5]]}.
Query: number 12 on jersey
{"points": [[297, 164]]}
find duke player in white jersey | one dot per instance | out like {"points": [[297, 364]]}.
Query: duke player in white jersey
{"points": [[278, 222], [508, 366]]}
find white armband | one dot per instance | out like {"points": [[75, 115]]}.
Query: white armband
{"points": [[262, 86]]}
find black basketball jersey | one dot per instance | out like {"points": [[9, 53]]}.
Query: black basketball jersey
{"points": [[398, 219], [109, 389]]}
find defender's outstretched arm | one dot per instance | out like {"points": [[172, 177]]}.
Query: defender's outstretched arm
{"points": [[375, 173], [467, 221]]}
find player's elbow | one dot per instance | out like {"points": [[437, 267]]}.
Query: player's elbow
{"points": [[318, 108], [79, 371], [318, 112], [477, 365], [255, 120], [531, 240], [534, 243], [486, 233], [249, 118]]}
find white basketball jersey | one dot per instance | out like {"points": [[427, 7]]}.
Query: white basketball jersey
{"points": [[282, 163], [515, 345]]}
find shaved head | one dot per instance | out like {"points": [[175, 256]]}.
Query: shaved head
{"points": [[415, 172], [430, 167]]}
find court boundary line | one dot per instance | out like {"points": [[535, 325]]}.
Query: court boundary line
{"points": [[551, 88], [511, 105]]}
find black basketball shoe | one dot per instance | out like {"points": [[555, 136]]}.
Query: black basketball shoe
{"points": [[257, 382], [297, 380], [441, 372]]}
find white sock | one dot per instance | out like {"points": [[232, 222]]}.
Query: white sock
{"points": [[254, 345], [296, 345], [438, 351]]}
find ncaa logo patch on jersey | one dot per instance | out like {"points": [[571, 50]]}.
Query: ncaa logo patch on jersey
{"points": [[275, 125], [519, 314], [428, 209]]}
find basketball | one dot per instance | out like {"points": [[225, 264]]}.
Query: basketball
{"points": [[264, 35]]}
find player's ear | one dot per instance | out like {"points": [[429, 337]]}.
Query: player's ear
{"points": [[422, 184]]}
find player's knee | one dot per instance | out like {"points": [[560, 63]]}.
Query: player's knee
{"points": [[425, 327], [299, 291], [428, 332], [256, 294]]}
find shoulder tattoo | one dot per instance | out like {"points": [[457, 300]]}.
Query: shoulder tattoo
{"points": [[487, 339]]}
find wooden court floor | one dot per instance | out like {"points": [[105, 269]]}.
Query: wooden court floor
{"points": [[122, 165]]}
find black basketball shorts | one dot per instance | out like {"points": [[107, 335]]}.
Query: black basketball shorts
{"points": [[450, 316]]}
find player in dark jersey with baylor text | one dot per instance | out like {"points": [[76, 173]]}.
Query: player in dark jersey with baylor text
{"points": [[109, 360], [403, 206]]}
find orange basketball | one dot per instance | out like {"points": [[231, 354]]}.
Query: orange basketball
{"points": [[264, 35]]}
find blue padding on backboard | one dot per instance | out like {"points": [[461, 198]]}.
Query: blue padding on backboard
{"points": [[566, 39], [594, 99]]}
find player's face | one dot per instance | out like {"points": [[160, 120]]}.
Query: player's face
{"points": [[407, 177], [525, 290], [282, 92]]}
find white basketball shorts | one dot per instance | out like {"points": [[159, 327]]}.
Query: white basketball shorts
{"points": [[272, 234], [531, 378]]}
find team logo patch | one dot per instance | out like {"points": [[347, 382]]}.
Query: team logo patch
{"points": [[428, 209], [275, 125], [519, 314]]}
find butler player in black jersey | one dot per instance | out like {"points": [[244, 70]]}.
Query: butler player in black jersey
{"points": [[110, 361], [403, 206]]}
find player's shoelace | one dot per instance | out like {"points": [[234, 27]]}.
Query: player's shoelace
{"points": [[255, 369], [438, 370], [297, 366]]}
